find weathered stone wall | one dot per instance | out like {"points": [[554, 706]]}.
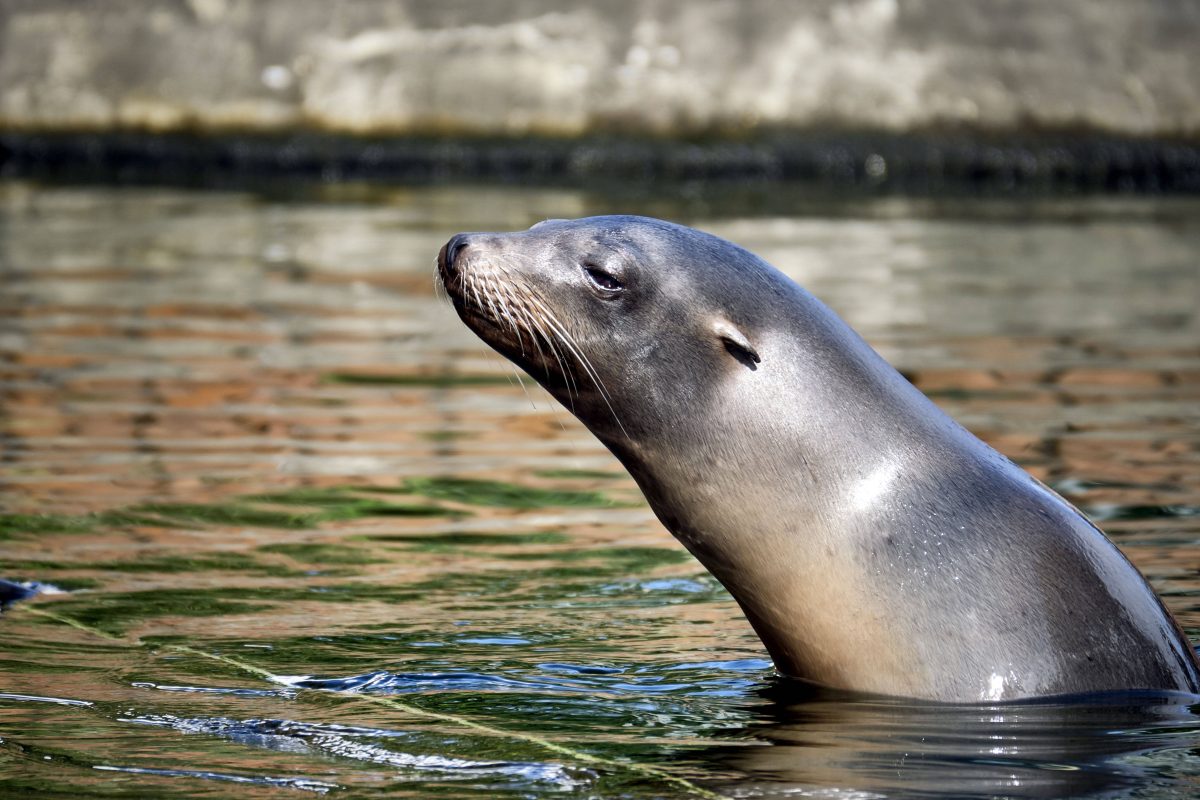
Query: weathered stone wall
{"points": [[572, 67]]}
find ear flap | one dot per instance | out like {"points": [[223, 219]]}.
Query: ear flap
{"points": [[737, 344]]}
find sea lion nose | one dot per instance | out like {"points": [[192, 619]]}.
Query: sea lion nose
{"points": [[450, 252]]}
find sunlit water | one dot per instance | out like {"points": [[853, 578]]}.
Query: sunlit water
{"points": [[241, 425]]}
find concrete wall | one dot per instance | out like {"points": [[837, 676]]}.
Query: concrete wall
{"points": [[1123, 67]]}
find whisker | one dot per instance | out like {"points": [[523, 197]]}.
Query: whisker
{"points": [[509, 303], [588, 368], [499, 294], [489, 299], [439, 285], [511, 313], [520, 299], [560, 359], [474, 288]]}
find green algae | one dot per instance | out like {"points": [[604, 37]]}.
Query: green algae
{"points": [[8, 566], [316, 553], [472, 491], [580, 473], [331, 497], [218, 562], [47, 523], [19, 524], [229, 562], [614, 559], [472, 538], [342, 503], [115, 613], [445, 435], [230, 514], [24, 524], [297, 509], [307, 508]]}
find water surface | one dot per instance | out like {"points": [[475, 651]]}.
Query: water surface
{"points": [[240, 425]]}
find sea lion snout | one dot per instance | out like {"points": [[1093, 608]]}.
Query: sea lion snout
{"points": [[448, 256]]}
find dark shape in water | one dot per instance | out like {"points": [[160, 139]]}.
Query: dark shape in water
{"points": [[11, 592]]}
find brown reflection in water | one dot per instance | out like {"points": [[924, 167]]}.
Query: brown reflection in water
{"points": [[187, 354], [195, 348], [170, 346]]}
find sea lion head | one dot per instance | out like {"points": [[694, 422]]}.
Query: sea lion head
{"points": [[628, 321]]}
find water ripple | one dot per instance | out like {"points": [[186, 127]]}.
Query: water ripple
{"points": [[287, 694], [588, 680], [305, 784], [32, 698], [401, 682], [348, 742]]}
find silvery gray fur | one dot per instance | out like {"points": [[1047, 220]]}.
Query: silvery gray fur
{"points": [[873, 543]]}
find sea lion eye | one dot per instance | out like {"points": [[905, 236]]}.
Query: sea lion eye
{"points": [[602, 280]]}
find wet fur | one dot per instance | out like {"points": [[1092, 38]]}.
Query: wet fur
{"points": [[872, 542]]}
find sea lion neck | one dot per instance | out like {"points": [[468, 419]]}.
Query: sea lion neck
{"points": [[873, 543]]}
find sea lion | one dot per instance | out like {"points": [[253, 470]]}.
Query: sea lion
{"points": [[873, 543]]}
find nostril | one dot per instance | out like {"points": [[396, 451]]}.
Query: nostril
{"points": [[456, 245]]}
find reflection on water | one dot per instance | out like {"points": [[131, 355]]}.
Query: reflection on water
{"points": [[242, 426], [1105, 746]]}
